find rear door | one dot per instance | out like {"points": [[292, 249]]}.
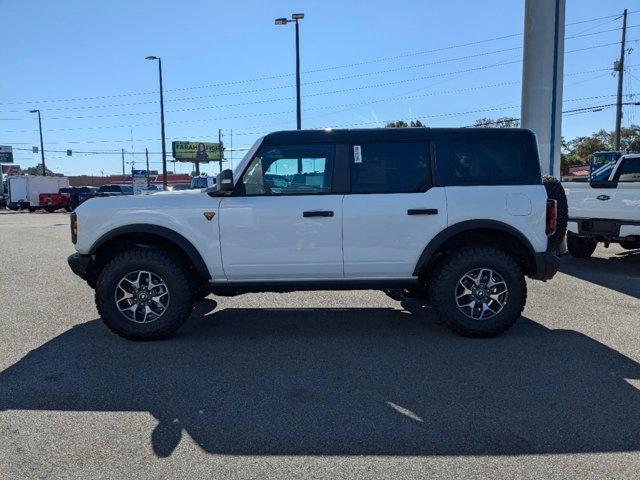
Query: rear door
{"points": [[392, 210]]}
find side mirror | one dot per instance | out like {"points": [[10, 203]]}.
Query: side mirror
{"points": [[224, 181], [603, 184]]}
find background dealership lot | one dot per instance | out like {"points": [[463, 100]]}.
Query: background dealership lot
{"points": [[273, 385]]}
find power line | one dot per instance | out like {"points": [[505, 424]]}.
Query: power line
{"points": [[483, 67], [322, 69], [359, 75], [588, 109]]}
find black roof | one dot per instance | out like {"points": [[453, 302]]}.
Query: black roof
{"points": [[382, 134]]}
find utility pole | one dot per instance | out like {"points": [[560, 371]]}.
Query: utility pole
{"points": [[146, 153], [220, 146], [44, 169], [164, 148], [231, 149], [619, 67], [123, 174]]}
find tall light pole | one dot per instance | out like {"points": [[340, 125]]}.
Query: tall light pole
{"points": [[164, 148], [44, 169], [295, 17]]}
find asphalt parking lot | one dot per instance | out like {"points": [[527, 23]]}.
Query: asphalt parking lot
{"points": [[317, 384]]}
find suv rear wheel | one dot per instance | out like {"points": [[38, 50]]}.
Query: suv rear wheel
{"points": [[480, 291], [144, 294]]}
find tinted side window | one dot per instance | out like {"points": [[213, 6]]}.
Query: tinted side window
{"points": [[630, 170], [492, 160], [290, 170], [390, 167]]}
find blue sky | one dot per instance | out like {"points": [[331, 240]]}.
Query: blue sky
{"points": [[226, 65]]}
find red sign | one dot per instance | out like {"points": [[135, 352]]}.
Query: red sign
{"points": [[10, 169]]}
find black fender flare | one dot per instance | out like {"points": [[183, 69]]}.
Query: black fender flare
{"points": [[452, 230], [164, 232]]}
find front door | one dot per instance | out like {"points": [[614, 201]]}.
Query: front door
{"points": [[283, 222]]}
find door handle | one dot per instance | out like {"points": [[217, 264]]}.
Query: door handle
{"points": [[318, 213], [422, 211]]}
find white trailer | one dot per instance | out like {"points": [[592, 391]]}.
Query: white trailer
{"points": [[24, 190]]}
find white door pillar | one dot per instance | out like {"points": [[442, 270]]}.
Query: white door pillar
{"points": [[542, 75]]}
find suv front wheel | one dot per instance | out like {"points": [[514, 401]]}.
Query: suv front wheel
{"points": [[480, 291], [144, 294]]}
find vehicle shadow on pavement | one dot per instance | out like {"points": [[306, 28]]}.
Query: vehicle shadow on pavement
{"points": [[620, 272], [372, 381]]}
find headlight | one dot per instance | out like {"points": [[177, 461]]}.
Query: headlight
{"points": [[74, 227]]}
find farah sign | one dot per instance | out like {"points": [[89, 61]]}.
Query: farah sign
{"points": [[197, 151]]}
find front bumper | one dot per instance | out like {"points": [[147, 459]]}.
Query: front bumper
{"points": [[545, 266], [79, 264]]}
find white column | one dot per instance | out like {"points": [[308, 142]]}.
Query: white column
{"points": [[542, 74]]}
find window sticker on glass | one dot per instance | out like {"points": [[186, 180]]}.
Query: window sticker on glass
{"points": [[357, 154]]}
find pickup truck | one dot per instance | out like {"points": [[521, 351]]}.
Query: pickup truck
{"points": [[458, 217], [605, 210], [54, 201]]}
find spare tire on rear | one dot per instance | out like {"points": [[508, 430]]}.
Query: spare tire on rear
{"points": [[555, 191]]}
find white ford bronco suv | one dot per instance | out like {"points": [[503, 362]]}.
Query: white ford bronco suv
{"points": [[605, 210], [455, 216]]}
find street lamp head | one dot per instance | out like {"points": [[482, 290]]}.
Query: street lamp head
{"points": [[297, 16], [151, 57], [34, 111], [281, 21]]}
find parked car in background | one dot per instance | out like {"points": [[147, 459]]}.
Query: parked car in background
{"points": [[178, 186], [605, 209], [54, 201], [203, 181], [77, 195], [111, 190]]}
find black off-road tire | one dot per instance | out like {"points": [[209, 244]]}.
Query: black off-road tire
{"points": [[180, 284], [444, 281], [580, 247], [555, 191]]}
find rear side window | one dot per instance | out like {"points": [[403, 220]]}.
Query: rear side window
{"points": [[491, 160], [390, 167]]}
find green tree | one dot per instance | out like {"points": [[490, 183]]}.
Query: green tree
{"points": [[37, 170], [502, 122], [403, 124]]}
